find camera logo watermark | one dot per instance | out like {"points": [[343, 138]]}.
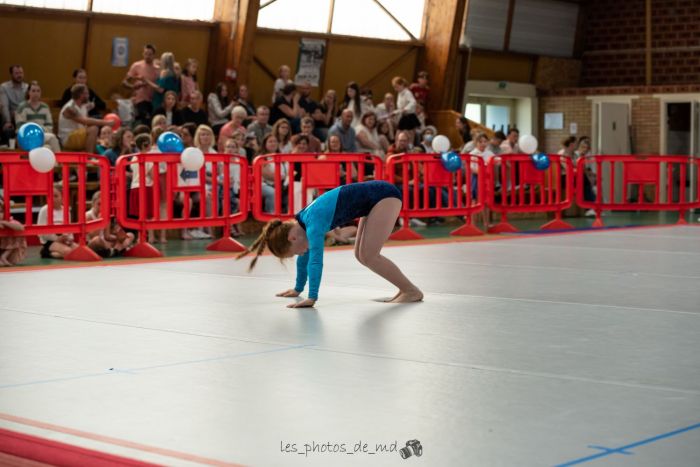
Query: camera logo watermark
{"points": [[413, 447]]}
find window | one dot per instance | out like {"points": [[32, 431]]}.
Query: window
{"points": [[58, 4], [473, 112], [498, 117], [284, 14], [202, 10], [384, 19]]}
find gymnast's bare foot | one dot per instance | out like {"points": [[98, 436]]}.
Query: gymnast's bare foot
{"points": [[407, 297], [389, 300]]}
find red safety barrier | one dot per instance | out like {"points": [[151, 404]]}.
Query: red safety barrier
{"points": [[613, 176], [515, 185], [212, 180], [315, 173], [429, 190], [20, 180]]}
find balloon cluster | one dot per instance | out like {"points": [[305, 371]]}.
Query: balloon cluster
{"points": [[450, 159], [30, 137], [190, 158], [528, 145]]}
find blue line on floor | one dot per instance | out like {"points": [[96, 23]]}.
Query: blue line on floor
{"points": [[113, 371], [622, 449]]}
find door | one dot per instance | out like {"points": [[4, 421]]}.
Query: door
{"points": [[613, 139]]}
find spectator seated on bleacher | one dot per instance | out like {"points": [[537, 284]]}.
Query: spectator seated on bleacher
{"points": [[219, 107], [194, 113], [173, 115], [33, 110], [96, 106], [77, 131]]}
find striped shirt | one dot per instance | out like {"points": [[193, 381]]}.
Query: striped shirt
{"points": [[41, 115]]}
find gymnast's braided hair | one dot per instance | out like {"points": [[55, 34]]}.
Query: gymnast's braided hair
{"points": [[274, 236]]}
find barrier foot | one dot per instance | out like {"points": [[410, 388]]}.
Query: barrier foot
{"points": [[502, 227], [83, 253], [681, 219], [598, 222], [144, 250], [467, 230], [557, 224], [225, 244], [405, 233]]}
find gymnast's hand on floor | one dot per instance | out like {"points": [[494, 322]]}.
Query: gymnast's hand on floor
{"points": [[288, 293], [302, 304]]}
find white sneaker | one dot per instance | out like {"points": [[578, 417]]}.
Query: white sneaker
{"points": [[198, 234], [590, 213], [417, 223]]}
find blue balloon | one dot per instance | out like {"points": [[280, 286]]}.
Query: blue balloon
{"points": [[540, 160], [170, 142], [30, 136], [451, 161]]}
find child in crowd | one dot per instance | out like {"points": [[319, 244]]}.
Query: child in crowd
{"points": [[111, 241], [12, 249], [104, 139], [143, 145], [56, 246]]}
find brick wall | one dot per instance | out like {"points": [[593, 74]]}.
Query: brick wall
{"points": [[646, 125], [615, 42], [576, 109], [645, 131]]}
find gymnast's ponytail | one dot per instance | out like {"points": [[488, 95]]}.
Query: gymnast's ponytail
{"points": [[274, 236]]}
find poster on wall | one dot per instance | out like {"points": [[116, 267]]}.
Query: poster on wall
{"points": [[554, 121], [120, 51], [311, 54]]}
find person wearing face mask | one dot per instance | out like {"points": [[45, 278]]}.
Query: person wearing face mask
{"points": [[427, 138]]}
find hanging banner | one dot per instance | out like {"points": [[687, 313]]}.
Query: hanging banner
{"points": [[310, 61], [120, 51]]}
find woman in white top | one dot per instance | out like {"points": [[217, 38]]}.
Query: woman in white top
{"points": [[353, 101], [405, 105], [219, 107], [283, 132], [368, 140], [55, 245]]}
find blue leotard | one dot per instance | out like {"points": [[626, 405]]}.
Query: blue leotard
{"points": [[332, 209]]}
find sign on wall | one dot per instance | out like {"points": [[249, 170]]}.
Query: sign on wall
{"points": [[310, 61], [120, 51]]}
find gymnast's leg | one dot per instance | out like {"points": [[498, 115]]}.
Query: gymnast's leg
{"points": [[373, 232]]}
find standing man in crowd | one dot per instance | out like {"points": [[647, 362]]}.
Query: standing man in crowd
{"points": [[141, 78]]}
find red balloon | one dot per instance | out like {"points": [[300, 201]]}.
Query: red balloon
{"points": [[114, 118]]}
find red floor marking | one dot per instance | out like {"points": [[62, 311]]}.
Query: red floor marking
{"points": [[116, 441], [28, 447]]}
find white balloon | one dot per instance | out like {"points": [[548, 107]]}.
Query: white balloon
{"points": [[192, 158], [528, 144], [441, 143], [42, 159]]}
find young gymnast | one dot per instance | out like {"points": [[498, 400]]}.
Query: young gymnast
{"points": [[376, 203]]}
